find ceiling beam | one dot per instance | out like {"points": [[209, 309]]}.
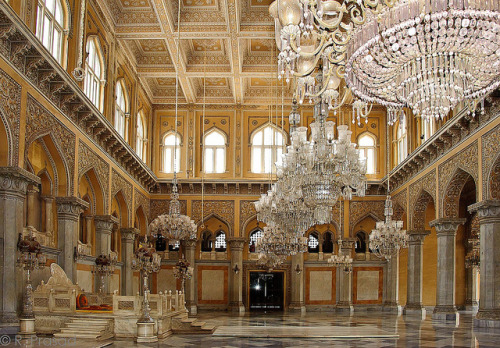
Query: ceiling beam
{"points": [[232, 15]]}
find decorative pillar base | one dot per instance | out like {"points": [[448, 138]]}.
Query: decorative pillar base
{"points": [[193, 309], [392, 308], [345, 308], [447, 313], [27, 327], [487, 318], [471, 306], [146, 333], [237, 307], [416, 311], [297, 307]]}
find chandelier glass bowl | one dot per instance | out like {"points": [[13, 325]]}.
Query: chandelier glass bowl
{"points": [[428, 56]]}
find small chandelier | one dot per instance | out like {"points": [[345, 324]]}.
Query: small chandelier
{"points": [[388, 237], [103, 268], [276, 245], [428, 56], [183, 271], [343, 262]]}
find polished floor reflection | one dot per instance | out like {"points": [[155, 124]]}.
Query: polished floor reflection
{"points": [[411, 332]]}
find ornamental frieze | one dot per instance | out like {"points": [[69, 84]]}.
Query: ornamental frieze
{"points": [[247, 211], [491, 163], [141, 200], [40, 122], [358, 210], [10, 113], [467, 161], [223, 209], [162, 206], [88, 159]]}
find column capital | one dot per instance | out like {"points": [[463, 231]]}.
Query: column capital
{"points": [[447, 226], [487, 209], [236, 243], [48, 199], [190, 243], [417, 236], [69, 208], [14, 181], [347, 243], [104, 223], [129, 234]]}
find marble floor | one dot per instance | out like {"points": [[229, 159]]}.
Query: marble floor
{"points": [[363, 329]]}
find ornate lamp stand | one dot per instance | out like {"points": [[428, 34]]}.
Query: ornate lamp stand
{"points": [[104, 267], [147, 261], [183, 271], [30, 259]]}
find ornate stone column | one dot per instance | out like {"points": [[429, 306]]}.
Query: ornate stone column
{"points": [[128, 238], [297, 298], [488, 213], [446, 230], [31, 219], [88, 229], [13, 186], [236, 278], [345, 279], [68, 213], [471, 295], [415, 273], [190, 286], [49, 220], [103, 229], [391, 302]]}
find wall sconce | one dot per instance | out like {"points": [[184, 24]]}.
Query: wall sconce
{"points": [[236, 269], [298, 270]]}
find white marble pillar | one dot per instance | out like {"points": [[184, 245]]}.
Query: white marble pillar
{"points": [[68, 214], [391, 302], [415, 273], [13, 186], [446, 230], [345, 279], [128, 237], [297, 296], [236, 278], [488, 213], [31, 219], [190, 285]]}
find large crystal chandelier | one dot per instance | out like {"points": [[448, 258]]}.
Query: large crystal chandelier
{"points": [[174, 226], [426, 55]]}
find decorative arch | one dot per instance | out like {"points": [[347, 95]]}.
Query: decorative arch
{"points": [[454, 187], [493, 187], [47, 186], [216, 217], [124, 208], [216, 130], [141, 221], [418, 214], [97, 189], [6, 141], [372, 215]]}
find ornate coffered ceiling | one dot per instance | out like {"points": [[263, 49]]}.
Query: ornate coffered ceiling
{"points": [[228, 42]]}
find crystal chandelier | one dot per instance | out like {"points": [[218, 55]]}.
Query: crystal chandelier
{"points": [[428, 56], [103, 268], [344, 262], [183, 271], [174, 226]]}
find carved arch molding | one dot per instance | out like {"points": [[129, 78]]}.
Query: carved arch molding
{"points": [[491, 163], [88, 159]]}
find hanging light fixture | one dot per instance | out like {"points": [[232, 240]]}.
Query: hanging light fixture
{"points": [[344, 262], [388, 237], [428, 56], [174, 226]]}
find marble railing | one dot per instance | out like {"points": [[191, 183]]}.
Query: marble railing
{"points": [[53, 301], [160, 304], [20, 47]]}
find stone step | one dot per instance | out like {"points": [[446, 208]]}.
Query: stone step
{"points": [[77, 335], [198, 323], [208, 328], [85, 330], [77, 324], [188, 320]]}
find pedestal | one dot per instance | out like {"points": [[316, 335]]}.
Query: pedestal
{"points": [[27, 327], [146, 333], [190, 286]]}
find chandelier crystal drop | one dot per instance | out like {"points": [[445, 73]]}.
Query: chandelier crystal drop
{"points": [[428, 56], [388, 237]]}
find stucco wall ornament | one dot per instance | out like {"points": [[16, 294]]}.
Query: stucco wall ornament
{"points": [[88, 159], [10, 104]]}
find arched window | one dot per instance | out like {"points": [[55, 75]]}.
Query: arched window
{"points": [[328, 242], [94, 72], [50, 26], [428, 128], [206, 241], [267, 147], [171, 143], [401, 141], [120, 108], [254, 238], [367, 149], [360, 244], [220, 241], [140, 146], [313, 243], [215, 152]]}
